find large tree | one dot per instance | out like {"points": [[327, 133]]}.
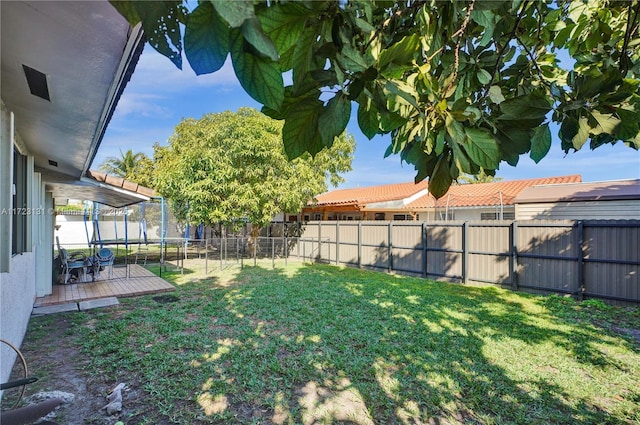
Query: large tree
{"points": [[232, 166], [461, 86]]}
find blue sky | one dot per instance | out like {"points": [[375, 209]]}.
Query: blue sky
{"points": [[159, 96]]}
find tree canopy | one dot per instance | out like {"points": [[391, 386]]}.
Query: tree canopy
{"points": [[232, 166], [461, 86], [127, 165]]}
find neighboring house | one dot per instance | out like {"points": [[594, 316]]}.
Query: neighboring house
{"points": [[410, 201], [480, 201], [610, 200], [386, 202], [64, 67]]}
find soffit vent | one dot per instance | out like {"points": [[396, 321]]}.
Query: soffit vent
{"points": [[53, 163], [37, 82]]}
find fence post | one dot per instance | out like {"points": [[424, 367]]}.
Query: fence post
{"points": [[221, 264], [390, 260], [319, 256], [424, 249], [581, 287], [465, 253], [273, 253], [360, 245], [256, 243], [337, 242], [514, 255], [206, 255]]}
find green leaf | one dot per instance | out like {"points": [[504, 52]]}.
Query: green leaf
{"points": [[568, 130], [482, 148], [260, 77], [485, 18], [455, 129], [334, 118], [161, 24], [389, 151], [284, 24], [404, 91], [440, 181], [252, 32], [460, 158], [128, 10], [303, 53], [401, 52], [234, 12], [629, 124], [483, 77], [533, 107], [368, 117], [390, 121], [353, 60], [300, 132], [495, 94], [582, 135], [540, 143], [206, 39], [603, 123]]}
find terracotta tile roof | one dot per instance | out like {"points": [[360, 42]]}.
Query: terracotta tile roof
{"points": [[487, 194], [597, 191], [120, 182], [367, 195]]}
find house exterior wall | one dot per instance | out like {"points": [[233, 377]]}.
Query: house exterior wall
{"points": [[465, 214], [20, 272], [587, 210], [17, 294]]}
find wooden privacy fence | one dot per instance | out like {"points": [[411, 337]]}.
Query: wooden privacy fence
{"points": [[586, 259]]}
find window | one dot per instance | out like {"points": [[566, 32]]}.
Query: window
{"points": [[20, 204], [496, 216], [399, 217], [306, 217], [293, 218], [317, 216], [379, 216]]}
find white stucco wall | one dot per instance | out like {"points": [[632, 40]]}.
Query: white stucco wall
{"points": [[72, 230], [591, 210], [17, 294]]}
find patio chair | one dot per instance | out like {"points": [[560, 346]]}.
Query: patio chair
{"points": [[71, 261], [105, 258]]}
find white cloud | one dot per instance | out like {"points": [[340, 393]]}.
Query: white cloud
{"points": [[143, 104]]}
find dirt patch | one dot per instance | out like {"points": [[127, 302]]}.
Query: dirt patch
{"points": [[633, 333], [56, 360]]}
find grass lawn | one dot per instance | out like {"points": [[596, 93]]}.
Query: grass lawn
{"points": [[321, 344]]}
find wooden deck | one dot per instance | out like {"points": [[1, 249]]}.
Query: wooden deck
{"points": [[139, 282]]}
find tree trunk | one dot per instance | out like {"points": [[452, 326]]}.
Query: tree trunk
{"points": [[253, 240]]}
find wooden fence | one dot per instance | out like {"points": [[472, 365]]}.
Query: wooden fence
{"points": [[585, 259]]}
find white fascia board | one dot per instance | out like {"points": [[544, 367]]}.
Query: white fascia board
{"points": [[135, 38]]}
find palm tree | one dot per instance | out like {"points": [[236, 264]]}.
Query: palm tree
{"points": [[125, 166]]}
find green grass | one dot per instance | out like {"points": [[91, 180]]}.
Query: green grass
{"points": [[322, 344]]}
